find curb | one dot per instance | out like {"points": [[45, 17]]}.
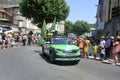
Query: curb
{"points": [[110, 62], [105, 61]]}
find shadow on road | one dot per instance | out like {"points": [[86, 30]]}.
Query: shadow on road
{"points": [[60, 63], [66, 63], [43, 56]]}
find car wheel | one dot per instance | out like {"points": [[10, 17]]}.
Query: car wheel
{"points": [[51, 57], [43, 50]]}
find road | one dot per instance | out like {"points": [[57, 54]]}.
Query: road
{"points": [[28, 63]]}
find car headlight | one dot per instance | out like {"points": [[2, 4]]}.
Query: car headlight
{"points": [[57, 50]]}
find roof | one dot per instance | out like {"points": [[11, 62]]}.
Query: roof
{"points": [[2, 10], [12, 6]]}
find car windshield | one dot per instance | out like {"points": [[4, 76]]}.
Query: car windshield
{"points": [[61, 41]]}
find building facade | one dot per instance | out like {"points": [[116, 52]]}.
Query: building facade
{"points": [[59, 27], [108, 17], [101, 17], [5, 19], [112, 26], [11, 17]]}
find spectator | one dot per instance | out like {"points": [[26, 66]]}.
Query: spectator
{"points": [[29, 39], [95, 50], [102, 48], [86, 47], [107, 47], [33, 39], [116, 49], [0, 39], [111, 48], [20, 40], [24, 38], [80, 44], [3, 41], [8, 41]]}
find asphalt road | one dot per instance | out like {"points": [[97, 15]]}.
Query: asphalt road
{"points": [[28, 63]]}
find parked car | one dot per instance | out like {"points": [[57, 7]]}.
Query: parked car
{"points": [[59, 48]]}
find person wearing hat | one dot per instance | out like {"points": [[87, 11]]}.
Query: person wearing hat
{"points": [[102, 48], [111, 48], [118, 37]]}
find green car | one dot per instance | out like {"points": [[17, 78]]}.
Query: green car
{"points": [[60, 48]]}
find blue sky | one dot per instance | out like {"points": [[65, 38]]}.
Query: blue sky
{"points": [[82, 10]]}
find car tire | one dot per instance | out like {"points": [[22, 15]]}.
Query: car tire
{"points": [[43, 50], [51, 57]]}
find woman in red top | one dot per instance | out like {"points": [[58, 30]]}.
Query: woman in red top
{"points": [[116, 49]]}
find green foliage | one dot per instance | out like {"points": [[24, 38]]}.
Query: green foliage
{"points": [[80, 27], [92, 25], [68, 27], [53, 25], [44, 30], [38, 10]]}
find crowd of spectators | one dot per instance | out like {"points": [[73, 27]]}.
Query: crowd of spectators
{"points": [[108, 48], [8, 40]]}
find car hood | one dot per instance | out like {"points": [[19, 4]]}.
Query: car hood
{"points": [[64, 46]]}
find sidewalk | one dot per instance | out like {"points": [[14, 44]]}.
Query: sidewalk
{"points": [[110, 62], [105, 61], [98, 58]]}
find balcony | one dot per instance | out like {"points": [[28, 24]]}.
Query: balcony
{"points": [[5, 20]]}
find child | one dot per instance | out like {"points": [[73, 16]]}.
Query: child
{"points": [[95, 50]]}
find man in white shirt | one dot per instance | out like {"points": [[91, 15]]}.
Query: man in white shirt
{"points": [[102, 48]]}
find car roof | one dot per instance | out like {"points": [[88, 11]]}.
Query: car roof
{"points": [[59, 36]]}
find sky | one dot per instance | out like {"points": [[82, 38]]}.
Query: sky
{"points": [[82, 10]]}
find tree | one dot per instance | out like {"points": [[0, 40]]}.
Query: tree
{"points": [[80, 27], [40, 10], [92, 25], [68, 27]]}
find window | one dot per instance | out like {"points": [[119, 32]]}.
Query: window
{"points": [[2, 15], [18, 11], [20, 23]]}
